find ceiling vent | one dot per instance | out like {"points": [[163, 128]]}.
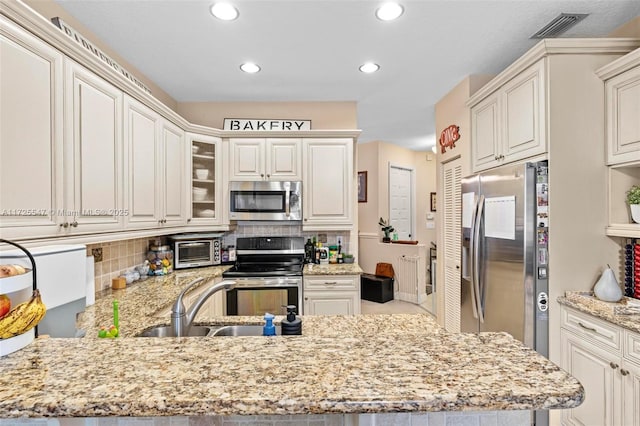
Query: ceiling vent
{"points": [[560, 24]]}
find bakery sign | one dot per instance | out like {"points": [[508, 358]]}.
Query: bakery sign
{"points": [[265, 124], [103, 57], [449, 137]]}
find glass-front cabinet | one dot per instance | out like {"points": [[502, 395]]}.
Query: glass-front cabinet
{"points": [[206, 199]]}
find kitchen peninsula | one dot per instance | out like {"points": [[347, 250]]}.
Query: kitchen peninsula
{"points": [[341, 365]]}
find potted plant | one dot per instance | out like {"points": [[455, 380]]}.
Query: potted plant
{"points": [[387, 229], [347, 258], [633, 199]]}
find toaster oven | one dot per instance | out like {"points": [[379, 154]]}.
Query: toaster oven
{"points": [[195, 250]]}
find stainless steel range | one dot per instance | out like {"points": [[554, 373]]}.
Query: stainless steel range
{"points": [[268, 275]]}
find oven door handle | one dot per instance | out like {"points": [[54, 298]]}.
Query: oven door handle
{"points": [[267, 282], [287, 202]]}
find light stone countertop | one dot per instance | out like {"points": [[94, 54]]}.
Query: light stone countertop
{"points": [[333, 269], [625, 313], [357, 364]]}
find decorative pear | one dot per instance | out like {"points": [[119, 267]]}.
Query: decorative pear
{"points": [[607, 287]]}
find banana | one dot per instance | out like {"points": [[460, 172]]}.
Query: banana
{"points": [[23, 317]]}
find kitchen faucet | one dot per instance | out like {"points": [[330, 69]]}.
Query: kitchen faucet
{"points": [[181, 318]]}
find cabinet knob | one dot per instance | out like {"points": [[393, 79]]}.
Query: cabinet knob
{"points": [[74, 224], [268, 175], [65, 225], [624, 372], [305, 219], [306, 298], [261, 175], [189, 220], [613, 365]]}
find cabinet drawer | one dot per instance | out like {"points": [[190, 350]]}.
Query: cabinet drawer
{"points": [[632, 347], [592, 329], [331, 283]]}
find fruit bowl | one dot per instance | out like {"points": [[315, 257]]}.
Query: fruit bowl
{"points": [[16, 343], [16, 282]]}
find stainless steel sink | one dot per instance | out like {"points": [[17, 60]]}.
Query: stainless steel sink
{"points": [[242, 330], [166, 331]]}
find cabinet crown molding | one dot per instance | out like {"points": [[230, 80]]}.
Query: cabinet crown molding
{"points": [[559, 46], [32, 21], [620, 65]]}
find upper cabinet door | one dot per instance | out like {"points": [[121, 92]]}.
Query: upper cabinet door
{"points": [[142, 164], [246, 159], [485, 132], [327, 189], [623, 116], [284, 159], [93, 152], [31, 145], [174, 178], [524, 103]]}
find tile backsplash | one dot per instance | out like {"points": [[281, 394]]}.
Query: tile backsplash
{"points": [[121, 256], [117, 258]]}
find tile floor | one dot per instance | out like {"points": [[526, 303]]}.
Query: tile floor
{"points": [[391, 307]]}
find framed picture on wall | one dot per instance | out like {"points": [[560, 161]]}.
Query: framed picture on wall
{"points": [[362, 187], [433, 201]]}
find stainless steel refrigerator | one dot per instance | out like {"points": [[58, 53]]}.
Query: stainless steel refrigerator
{"points": [[505, 233]]}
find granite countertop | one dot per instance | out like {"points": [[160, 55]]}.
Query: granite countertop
{"points": [[625, 313], [356, 364], [333, 269]]}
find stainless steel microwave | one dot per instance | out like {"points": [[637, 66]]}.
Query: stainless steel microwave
{"points": [[265, 200], [194, 250]]}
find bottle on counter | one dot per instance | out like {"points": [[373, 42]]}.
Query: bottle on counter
{"points": [[268, 329], [292, 325], [309, 252]]}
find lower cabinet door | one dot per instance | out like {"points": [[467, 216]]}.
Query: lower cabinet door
{"points": [[631, 382], [599, 373], [331, 303]]}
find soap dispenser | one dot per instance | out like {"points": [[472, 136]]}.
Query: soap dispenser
{"points": [[291, 325], [269, 329]]}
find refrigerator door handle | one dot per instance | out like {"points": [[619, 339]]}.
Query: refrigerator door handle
{"points": [[476, 258], [472, 261]]}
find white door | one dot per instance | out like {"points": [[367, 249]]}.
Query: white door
{"points": [[400, 201], [452, 178]]}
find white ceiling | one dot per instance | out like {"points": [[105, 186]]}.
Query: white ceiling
{"points": [[310, 50]]}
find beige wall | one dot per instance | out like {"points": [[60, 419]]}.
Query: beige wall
{"points": [[375, 158], [49, 9], [630, 29], [323, 115]]}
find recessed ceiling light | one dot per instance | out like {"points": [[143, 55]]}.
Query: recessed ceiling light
{"points": [[389, 11], [369, 67], [250, 68], [224, 11]]}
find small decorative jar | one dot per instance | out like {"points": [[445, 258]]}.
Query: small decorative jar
{"points": [[160, 260]]}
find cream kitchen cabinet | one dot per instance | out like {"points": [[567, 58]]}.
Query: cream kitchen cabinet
{"points": [[509, 124], [155, 168], [328, 184], [94, 199], [31, 136], [331, 294], [622, 128], [622, 108], [205, 184], [273, 159], [605, 359]]}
